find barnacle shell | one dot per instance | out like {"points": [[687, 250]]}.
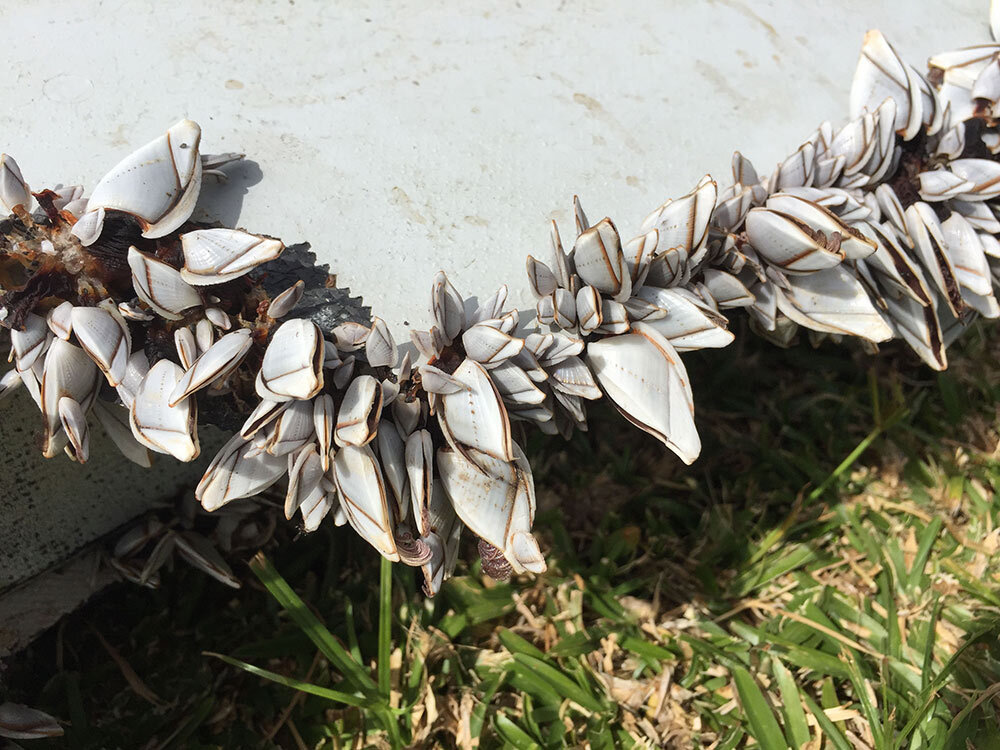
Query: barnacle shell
{"points": [[362, 495], [158, 184], [293, 363], [157, 424], [212, 256], [644, 377]]}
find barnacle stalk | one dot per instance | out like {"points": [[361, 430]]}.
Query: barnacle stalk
{"points": [[121, 309]]}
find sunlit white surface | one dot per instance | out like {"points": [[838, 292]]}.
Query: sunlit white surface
{"points": [[404, 138]]}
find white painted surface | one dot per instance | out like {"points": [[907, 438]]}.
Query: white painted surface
{"points": [[49, 508], [403, 138], [406, 137]]}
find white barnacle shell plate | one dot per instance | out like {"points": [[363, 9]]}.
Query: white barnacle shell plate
{"points": [[60, 320], [540, 277], [135, 371], [304, 481], [74, 424], [315, 508], [67, 371], [447, 307], [682, 223], [202, 554], [832, 301], [588, 308], [29, 344], [217, 362], [360, 411], [919, 327], [13, 189], [489, 345], [293, 428], [599, 260], [286, 301], [10, 381], [961, 242], [104, 335], [496, 500], [204, 334], [31, 379], [893, 267], [929, 248], [324, 412], [446, 531], [941, 185], [881, 74], [646, 380], [88, 229], [419, 458], [380, 347], [788, 242], [553, 348], [160, 286], [475, 416], [687, 325], [392, 457], [238, 471], [492, 308], [573, 377], [362, 494], [158, 184], [727, 289], [264, 413], [293, 362], [515, 385], [853, 244], [186, 345], [212, 256], [159, 426], [20, 722], [406, 415], [983, 173]]}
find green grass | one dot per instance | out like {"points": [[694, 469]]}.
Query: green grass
{"points": [[825, 576]]}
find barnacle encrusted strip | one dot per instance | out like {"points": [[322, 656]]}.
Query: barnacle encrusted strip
{"points": [[122, 307]]}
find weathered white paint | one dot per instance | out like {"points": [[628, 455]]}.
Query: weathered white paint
{"points": [[406, 137], [51, 507], [403, 138]]}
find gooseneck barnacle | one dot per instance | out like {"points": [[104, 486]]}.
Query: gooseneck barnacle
{"points": [[124, 313]]}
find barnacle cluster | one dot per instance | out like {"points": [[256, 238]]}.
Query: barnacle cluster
{"points": [[119, 307]]}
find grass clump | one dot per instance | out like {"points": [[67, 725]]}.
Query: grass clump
{"points": [[824, 577]]}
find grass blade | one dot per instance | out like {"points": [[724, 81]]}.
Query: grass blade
{"points": [[564, 685], [855, 454], [325, 641], [763, 726], [796, 727], [512, 734], [927, 540], [925, 672], [305, 687], [518, 645], [865, 695], [926, 697], [385, 629], [830, 730]]}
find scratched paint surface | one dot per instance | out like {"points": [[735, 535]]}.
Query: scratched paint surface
{"points": [[429, 135], [444, 135], [50, 508]]}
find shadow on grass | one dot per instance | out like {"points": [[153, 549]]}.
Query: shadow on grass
{"points": [[846, 579]]}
